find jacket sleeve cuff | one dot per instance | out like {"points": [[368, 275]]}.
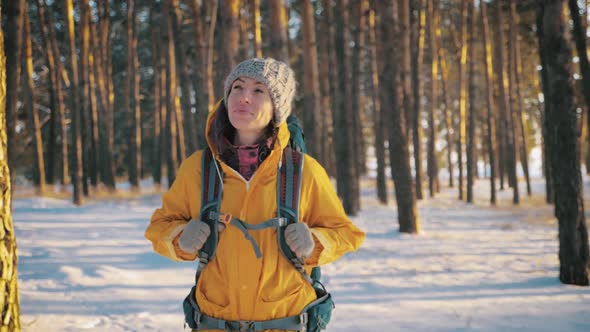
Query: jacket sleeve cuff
{"points": [[183, 256], [314, 258]]}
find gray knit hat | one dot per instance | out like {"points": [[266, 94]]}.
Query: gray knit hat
{"points": [[278, 78]]}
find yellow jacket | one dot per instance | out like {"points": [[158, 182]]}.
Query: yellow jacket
{"points": [[235, 285]]}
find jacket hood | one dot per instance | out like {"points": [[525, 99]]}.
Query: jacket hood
{"points": [[282, 136]]}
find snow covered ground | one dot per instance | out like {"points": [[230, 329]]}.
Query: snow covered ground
{"points": [[473, 268]]}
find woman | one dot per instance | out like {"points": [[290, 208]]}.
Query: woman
{"points": [[247, 134]]}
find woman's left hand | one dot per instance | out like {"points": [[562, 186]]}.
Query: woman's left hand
{"points": [[299, 239]]}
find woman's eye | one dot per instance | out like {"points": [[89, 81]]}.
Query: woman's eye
{"points": [[258, 91], [237, 87]]}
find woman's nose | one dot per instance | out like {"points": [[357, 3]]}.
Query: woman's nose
{"points": [[245, 97]]}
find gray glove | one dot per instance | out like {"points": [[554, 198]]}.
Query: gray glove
{"points": [[193, 236], [299, 239]]}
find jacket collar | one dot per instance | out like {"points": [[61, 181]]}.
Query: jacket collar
{"points": [[275, 156]]}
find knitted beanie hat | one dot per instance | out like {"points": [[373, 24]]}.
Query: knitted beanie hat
{"points": [[278, 78]]}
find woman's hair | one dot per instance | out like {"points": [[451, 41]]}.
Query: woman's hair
{"points": [[222, 132]]}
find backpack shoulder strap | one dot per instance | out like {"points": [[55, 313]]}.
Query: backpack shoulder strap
{"points": [[211, 193], [288, 196]]}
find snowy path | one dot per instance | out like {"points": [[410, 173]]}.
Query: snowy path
{"points": [[472, 268]]}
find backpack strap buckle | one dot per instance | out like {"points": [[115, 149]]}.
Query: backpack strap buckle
{"points": [[224, 218]]}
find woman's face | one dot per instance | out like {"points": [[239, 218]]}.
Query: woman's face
{"points": [[249, 106]]}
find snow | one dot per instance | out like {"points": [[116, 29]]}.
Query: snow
{"points": [[473, 267]]}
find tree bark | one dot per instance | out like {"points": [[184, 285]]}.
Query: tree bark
{"points": [[105, 74], [199, 61], [231, 31], [519, 116], [77, 178], [185, 81], [93, 88], [347, 181], [579, 34], [13, 12], [508, 160], [462, 95], [512, 117], [358, 8], [88, 172], [377, 123], [174, 137], [564, 152], [210, 38], [255, 14], [418, 89], [156, 164], [470, 148], [433, 183], [329, 92], [30, 102], [279, 28], [311, 87], [545, 125], [491, 125], [447, 114], [52, 155], [398, 145], [9, 299], [132, 99]]}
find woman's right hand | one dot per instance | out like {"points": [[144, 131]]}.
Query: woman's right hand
{"points": [[193, 236]]}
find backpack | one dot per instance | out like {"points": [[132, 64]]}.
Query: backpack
{"points": [[316, 315]]}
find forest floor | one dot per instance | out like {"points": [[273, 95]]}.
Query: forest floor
{"points": [[473, 267]]}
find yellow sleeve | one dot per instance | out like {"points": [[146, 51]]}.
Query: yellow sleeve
{"points": [[334, 234], [168, 221]]}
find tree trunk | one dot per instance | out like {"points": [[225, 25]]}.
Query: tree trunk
{"points": [[9, 298], [377, 123], [328, 80], [132, 99], [470, 148], [255, 15], [102, 49], [30, 102], [185, 81], [418, 89], [508, 161], [52, 155], [432, 116], [564, 152], [129, 99], [358, 8], [462, 94], [347, 182], [210, 38], [519, 116], [172, 139], [93, 87], [199, 84], [513, 112], [311, 87], [579, 34], [398, 145], [14, 13], [279, 28], [88, 172], [230, 31], [244, 33], [447, 114], [156, 164], [549, 197], [491, 125], [77, 165]]}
